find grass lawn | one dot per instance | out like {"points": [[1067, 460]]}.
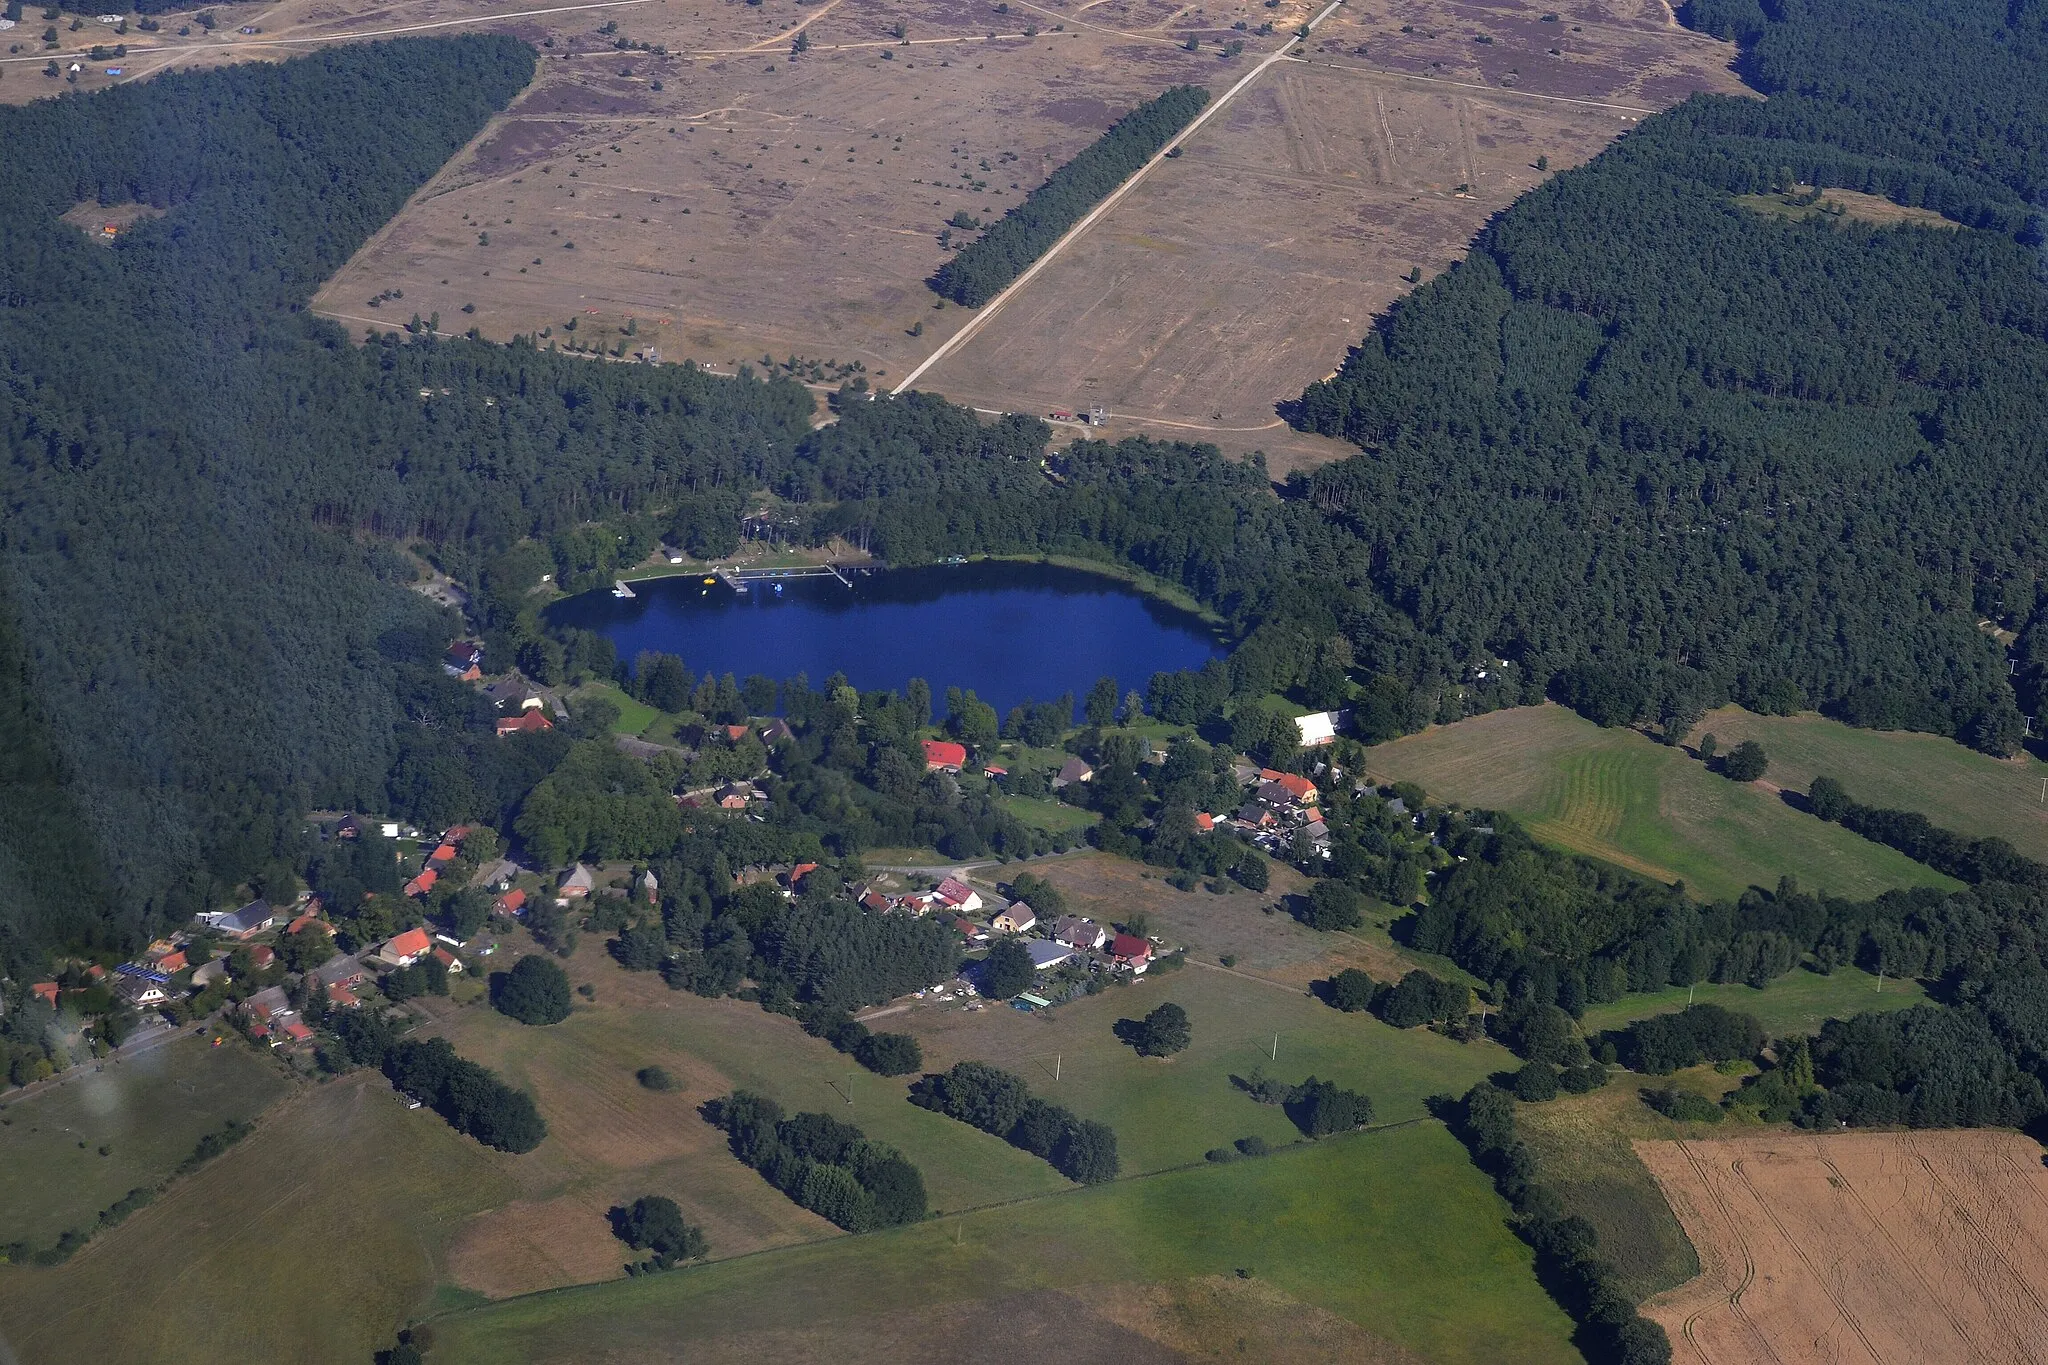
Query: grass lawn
{"points": [[150, 1110], [634, 716], [1959, 788], [1054, 817], [1395, 1231], [1168, 1112], [312, 1240], [1621, 797], [1797, 1002]]}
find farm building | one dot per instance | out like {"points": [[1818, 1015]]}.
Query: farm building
{"points": [[955, 894], [1045, 954], [1321, 727], [578, 882]]}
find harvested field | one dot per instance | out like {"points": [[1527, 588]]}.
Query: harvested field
{"points": [[1926, 1247]]}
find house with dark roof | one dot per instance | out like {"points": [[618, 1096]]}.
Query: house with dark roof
{"points": [[1072, 771], [464, 660], [1045, 954], [251, 919], [1081, 934], [1014, 918], [578, 882]]}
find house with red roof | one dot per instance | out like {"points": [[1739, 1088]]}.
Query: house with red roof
{"points": [[402, 950], [171, 962], [736, 733], [441, 856], [309, 921], [297, 1031], [448, 960], [1128, 950], [262, 955], [795, 880], [464, 660], [422, 884], [944, 753], [512, 903], [958, 895], [341, 997], [1300, 789], [1204, 822], [531, 721], [45, 991]]}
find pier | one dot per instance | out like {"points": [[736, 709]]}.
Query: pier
{"points": [[737, 579]]}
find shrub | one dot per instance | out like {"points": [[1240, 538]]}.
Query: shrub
{"points": [[1536, 1082], [1682, 1105], [1351, 990], [1334, 905], [535, 991], [657, 1078], [1746, 762], [1320, 1108], [654, 1223], [889, 1054]]}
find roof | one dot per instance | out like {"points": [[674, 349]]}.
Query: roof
{"points": [[444, 957], [1045, 953], [444, 854], [1204, 821], [463, 653], [1299, 787], [1319, 727], [944, 753], [1129, 946], [1023, 915], [801, 871], [579, 877], [296, 1030], [422, 884], [510, 901], [953, 891], [45, 991], [171, 962], [309, 921], [262, 955], [338, 994], [1075, 770], [411, 943], [527, 722], [251, 917]]}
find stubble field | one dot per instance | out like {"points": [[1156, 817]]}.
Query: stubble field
{"points": [[1853, 1248]]}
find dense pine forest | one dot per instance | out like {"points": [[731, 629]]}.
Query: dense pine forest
{"points": [[1713, 452], [1649, 449]]}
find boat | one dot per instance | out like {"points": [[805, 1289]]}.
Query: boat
{"points": [[708, 581], [778, 589], [620, 589]]}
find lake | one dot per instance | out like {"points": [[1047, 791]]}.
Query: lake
{"points": [[1011, 632]]}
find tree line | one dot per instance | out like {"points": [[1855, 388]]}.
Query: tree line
{"points": [[825, 1165], [986, 266], [1000, 1102]]}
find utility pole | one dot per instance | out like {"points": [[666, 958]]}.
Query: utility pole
{"points": [[1055, 1066], [1276, 1047], [849, 1090]]}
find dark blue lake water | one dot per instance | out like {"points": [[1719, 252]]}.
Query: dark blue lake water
{"points": [[1011, 632]]}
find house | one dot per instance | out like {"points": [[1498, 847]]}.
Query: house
{"points": [[958, 895], [1299, 787], [207, 973], [441, 857], [341, 997], [464, 660], [794, 881], [1247, 774], [735, 795], [1204, 822], [1128, 950], [171, 963], [1045, 954], [874, 902], [1275, 794], [992, 771], [1072, 771], [1255, 816], [95, 973], [268, 1005], [530, 721], [351, 827], [422, 884], [578, 882], [970, 931], [669, 553], [296, 1031], [248, 921], [1014, 918], [404, 949], [512, 903], [650, 887], [45, 991], [1317, 831], [1321, 728], [262, 955], [1082, 935], [307, 921], [944, 753], [139, 991], [776, 731], [449, 961]]}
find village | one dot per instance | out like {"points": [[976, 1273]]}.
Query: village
{"points": [[277, 971]]}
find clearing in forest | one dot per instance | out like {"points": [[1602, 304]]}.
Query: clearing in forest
{"points": [[1619, 796], [1957, 788], [1858, 1248]]}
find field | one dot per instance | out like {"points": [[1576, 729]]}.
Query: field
{"points": [[149, 1109], [1797, 1002], [1393, 1232], [1621, 797], [1955, 787], [1239, 272], [312, 1240], [1866, 1247], [1864, 208]]}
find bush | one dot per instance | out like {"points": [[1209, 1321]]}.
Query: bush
{"points": [[1252, 1146], [1006, 971], [654, 1223], [1828, 799], [1351, 990], [889, 1054], [1320, 1108], [1334, 905], [1580, 1080], [535, 991], [657, 1078], [1163, 1032], [1536, 1082], [1682, 1105], [1746, 762], [1420, 998]]}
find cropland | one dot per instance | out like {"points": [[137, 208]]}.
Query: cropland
{"points": [[1864, 1247], [1621, 797], [1957, 788]]}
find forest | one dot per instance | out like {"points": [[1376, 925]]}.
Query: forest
{"points": [[1647, 449]]}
